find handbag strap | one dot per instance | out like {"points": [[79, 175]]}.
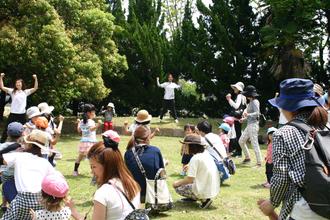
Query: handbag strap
{"points": [[129, 202], [211, 145], [139, 163]]}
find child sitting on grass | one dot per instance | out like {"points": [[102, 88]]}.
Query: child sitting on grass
{"points": [[54, 192]]}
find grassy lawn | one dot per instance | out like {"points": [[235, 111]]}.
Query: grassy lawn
{"points": [[237, 199], [167, 122]]}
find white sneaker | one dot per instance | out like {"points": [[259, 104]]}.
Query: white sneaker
{"points": [[176, 121]]}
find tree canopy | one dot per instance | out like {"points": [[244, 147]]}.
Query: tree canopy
{"points": [[98, 51]]}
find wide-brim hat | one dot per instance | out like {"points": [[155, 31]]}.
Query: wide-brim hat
{"points": [[250, 91], [192, 139], [295, 94], [45, 108], [33, 112], [110, 104], [38, 138], [143, 116], [239, 86]]}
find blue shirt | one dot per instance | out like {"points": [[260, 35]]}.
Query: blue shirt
{"points": [[151, 160]]}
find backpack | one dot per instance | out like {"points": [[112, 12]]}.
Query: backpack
{"points": [[136, 214], [316, 190], [227, 162]]}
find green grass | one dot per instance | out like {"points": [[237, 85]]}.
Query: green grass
{"points": [[167, 122], [237, 199]]}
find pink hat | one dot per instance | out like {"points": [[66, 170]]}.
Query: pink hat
{"points": [[229, 120], [113, 135], [55, 185]]}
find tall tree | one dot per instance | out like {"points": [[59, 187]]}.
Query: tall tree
{"points": [[67, 43], [144, 44]]}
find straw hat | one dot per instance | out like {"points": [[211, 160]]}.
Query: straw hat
{"points": [[38, 138], [143, 116]]}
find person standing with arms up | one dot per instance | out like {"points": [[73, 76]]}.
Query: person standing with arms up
{"points": [[169, 97], [18, 96]]}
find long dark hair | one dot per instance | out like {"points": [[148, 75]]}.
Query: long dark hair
{"points": [[23, 85], [87, 108], [114, 167]]}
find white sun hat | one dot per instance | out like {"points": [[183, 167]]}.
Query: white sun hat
{"points": [[45, 108]]}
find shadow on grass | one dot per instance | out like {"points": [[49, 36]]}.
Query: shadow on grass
{"points": [[190, 206], [239, 165], [71, 160], [81, 176], [158, 216], [225, 185], [258, 186], [85, 204]]}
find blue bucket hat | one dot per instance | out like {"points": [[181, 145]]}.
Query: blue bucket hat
{"points": [[225, 127], [295, 94]]}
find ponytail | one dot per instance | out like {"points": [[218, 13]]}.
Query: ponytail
{"points": [[85, 117], [318, 117]]}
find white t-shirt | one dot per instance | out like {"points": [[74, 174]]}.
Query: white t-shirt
{"points": [[4, 169], [169, 89], [86, 134], [207, 180], [18, 103], [29, 170], [117, 207], [217, 143], [301, 211]]}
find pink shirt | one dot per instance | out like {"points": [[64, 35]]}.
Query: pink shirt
{"points": [[225, 139], [269, 158]]}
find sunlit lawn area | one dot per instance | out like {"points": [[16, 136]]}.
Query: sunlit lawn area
{"points": [[237, 199]]}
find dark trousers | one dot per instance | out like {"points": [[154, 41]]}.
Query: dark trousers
{"points": [[12, 118], [238, 130], [168, 104], [269, 171]]}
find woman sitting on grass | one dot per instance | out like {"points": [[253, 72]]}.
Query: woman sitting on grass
{"points": [[202, 181], [113, 179], [150, 156]]}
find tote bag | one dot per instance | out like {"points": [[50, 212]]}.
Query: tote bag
{"points": [[158, 197]]}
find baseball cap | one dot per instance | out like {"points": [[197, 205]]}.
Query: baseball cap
{"points": [[54, 184], [15, 129]]}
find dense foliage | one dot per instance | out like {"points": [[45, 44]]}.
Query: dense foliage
{"points": [[100, 51]]}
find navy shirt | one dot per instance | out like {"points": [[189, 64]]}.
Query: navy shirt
{"points": [[151, 160]]}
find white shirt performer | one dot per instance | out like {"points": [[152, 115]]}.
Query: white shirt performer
{"points": [[169, 96], [18, 104]]}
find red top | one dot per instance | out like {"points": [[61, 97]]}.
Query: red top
{"points": [[269, 158]]}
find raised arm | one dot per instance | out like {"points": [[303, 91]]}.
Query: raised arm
{"points": [[35, 83], [2, 87], [158, 84]]}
